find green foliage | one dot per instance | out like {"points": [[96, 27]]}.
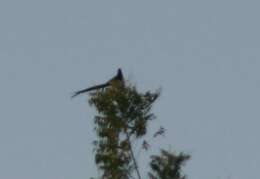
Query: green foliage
{"points": [[122, 117], [167, 165], [123, 114]]}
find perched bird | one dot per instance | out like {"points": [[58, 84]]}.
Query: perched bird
{"points": [[119, 77]]}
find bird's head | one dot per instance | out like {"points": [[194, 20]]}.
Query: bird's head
{"points": [[120, 74]]}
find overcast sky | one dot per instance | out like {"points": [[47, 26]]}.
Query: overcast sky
{"points": [[203, 54]]}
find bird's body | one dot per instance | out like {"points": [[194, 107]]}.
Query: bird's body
{"points": [[119, 77]]}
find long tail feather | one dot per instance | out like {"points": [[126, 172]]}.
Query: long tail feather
{"points": [[90, 89]]}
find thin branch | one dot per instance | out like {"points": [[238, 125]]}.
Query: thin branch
{"points": [[132, 154]]}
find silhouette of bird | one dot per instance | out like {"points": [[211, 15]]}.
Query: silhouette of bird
{"points": [[119, 77]]}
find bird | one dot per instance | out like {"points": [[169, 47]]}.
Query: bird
{"points": [[118, 77]]}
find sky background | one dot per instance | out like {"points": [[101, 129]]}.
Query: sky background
{"points": [[204, 55]]}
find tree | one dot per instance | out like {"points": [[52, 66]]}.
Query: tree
{"points": [[122, 117], [167, 165]]}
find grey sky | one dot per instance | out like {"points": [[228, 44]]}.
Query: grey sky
{"points": [[204, 55]]}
